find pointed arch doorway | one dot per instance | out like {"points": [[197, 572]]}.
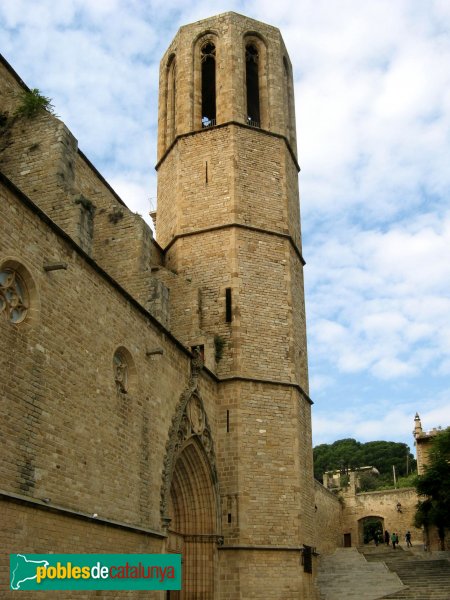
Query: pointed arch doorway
{"points": [[190, 501]]}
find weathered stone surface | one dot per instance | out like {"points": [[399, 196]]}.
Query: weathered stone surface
{"points": [[105, 409]]}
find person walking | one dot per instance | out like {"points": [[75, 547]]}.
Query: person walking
{"points": [[393, 539], [386, 537], [408, 539]]}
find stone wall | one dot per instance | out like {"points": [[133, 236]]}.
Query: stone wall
{"points": [[80, 437], [229, 33], [328, 520], [68, 435], [33, 528], [41, 156], [382, 504]]}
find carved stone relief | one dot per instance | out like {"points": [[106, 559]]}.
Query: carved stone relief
{"points": [[189, 421]]}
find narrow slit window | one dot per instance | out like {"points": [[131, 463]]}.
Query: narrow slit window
{"points": [[228, 421], [307, 559], [252, 81], [228, 313], [208, 56]]}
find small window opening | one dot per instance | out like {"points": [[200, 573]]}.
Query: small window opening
{"points": [[252, 81], [307, 559], [228, 421], [229, 517], [208, 57], [228, 314]]}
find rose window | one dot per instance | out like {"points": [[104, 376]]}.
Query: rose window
{"points": [[13, 296]]}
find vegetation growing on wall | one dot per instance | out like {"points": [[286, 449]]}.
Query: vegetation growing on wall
{"points": [[219, 345], [85, 203], [434, 484], [32, 103], [116, 215]]}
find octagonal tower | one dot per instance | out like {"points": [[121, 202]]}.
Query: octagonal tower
{"points": [[228, 219]]}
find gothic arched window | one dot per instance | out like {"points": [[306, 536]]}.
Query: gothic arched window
{"points": [[208, 60], [252, 81], [288, 92], [171, 98]]}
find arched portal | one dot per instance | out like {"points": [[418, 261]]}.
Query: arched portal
{"points": [[189, 501], [192, 510], [371, 530]]}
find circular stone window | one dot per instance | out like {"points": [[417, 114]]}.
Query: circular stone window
{"points": [[14, 296]]}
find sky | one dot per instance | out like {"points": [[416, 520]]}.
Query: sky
{"points": [[372, 88]]}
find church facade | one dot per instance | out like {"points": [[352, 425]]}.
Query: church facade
{"points": [[155, 391]]}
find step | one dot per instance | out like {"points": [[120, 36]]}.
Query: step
{"points": [[346, 575], [425, 577]]}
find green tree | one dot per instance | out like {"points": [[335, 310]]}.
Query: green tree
{"points": [[342, 455], [349, 454], [372, 530], [434, 485], [368, 482]]}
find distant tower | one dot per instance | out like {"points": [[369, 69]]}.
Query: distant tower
{"points": [[228, 219], [417, 426]]}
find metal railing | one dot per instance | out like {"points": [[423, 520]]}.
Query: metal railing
{"points": [[208, 122], [212, 123]]}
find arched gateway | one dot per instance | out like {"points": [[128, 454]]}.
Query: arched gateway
{"points": [[189, 500], [370, 528]]}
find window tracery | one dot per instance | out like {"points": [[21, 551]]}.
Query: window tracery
{"points": [[208, 63], [14, 299]]}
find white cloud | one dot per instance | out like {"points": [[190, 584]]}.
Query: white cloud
{"points": [[380, 300], [373, 114], [379, 421]]}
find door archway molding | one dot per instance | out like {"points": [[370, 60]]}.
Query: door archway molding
{"points": [[189, 421]]}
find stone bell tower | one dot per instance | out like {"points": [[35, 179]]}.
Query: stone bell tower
{"points": [[228, 220]]}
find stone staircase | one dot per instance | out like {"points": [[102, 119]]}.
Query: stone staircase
{"points": [[383, 573], [347, 575], [426, 577]]}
